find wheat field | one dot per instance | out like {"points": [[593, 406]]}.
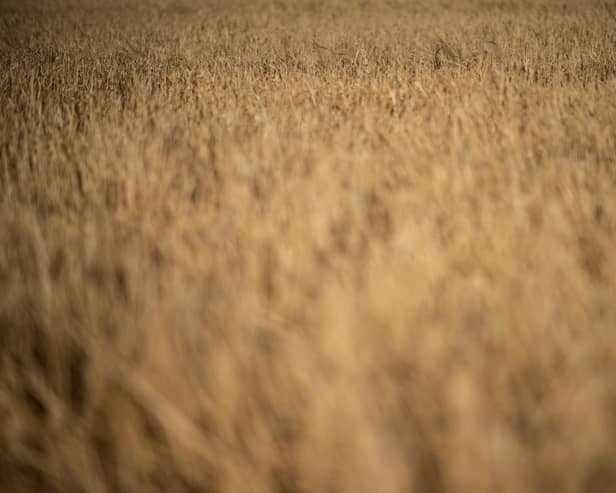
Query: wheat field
{"points": [[307, 246]]}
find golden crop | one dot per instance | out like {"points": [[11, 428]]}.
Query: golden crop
{"points": [[308, 246]]}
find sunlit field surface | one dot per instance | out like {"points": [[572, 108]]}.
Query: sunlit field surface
{"points": [[308, 246]]}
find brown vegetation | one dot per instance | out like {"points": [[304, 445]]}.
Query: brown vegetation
{"points": [[308, 246]]}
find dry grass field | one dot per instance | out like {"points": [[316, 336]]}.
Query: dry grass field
{"points": [[308, 246]]}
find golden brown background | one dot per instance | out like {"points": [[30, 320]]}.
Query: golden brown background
{"points": [[309, 246]]}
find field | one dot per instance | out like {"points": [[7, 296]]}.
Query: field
{"points": [[307, 246]]}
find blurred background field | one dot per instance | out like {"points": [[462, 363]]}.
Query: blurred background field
{"points": [[313, 246]]}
